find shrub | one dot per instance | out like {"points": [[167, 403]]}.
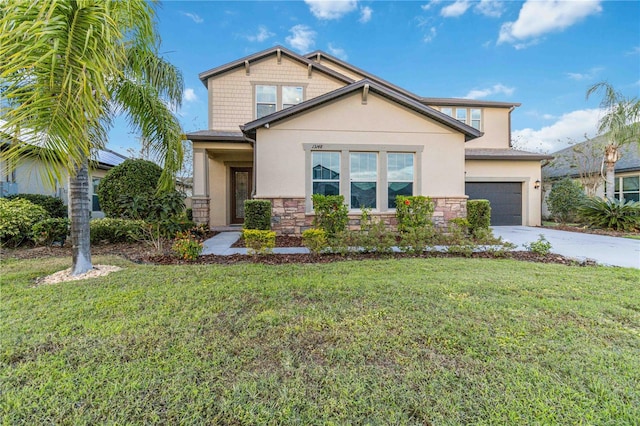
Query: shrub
{"points": [[417, 240], [116, 230], [315, 240], [152, 207], [257, 215], [53, 205], [414, 212], [564, 199], [189, 213], [478, 215], [131, 178], [331, 214], [17, 218], [611, 214], [49, 231], [541, 246], [186, 246], [259, 241]]}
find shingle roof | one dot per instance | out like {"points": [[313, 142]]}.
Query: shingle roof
{"points": [[216, 135], [503, 154], [564, 164], [468, 131], [204, 76], [467, 102], [109, 158]]}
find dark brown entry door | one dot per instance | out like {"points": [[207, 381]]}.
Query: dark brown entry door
{"points": [[241, 179]]}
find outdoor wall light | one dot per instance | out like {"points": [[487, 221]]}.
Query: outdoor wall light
{"points": [[536, 185]]}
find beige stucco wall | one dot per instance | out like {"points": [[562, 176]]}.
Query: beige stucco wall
{"points": [[231, 95], [219, 165], [495, 126], [526, 172], [380, 123]]}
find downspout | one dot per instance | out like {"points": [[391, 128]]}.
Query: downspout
{"points": [[510, 111], [253, 177]]}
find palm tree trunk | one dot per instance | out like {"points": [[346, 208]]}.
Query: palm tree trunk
{"points": [[611, 155], [80, 210]]}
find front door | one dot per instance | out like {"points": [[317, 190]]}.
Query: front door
{"points": [[241, 179]]}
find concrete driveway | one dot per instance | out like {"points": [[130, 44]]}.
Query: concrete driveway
{"points": [[605, 250]]}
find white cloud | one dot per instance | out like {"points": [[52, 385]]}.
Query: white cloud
{"points": [[571, 126], [194, 17], [458, 8], [337, 52], [302, 38], [493, 90], [491, 8], [589, 75], [331, 9], [428, 38], [538, 17], [365, 14], [634, 51], [262, 34], [430, 4], [189, 95]]}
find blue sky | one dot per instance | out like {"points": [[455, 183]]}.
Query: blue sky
{"points": [[543, 53]]}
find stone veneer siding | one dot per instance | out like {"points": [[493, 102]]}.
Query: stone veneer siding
{"points": [[200, 209], [288, 215]]}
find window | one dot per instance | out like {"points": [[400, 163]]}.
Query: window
{"points": [[469, 116], [271, 98], [326, 173], [265, 100], [363, 174], [399, 176], [95, 203], [630, 188]]}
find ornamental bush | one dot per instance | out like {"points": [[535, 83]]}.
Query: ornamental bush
{"points": [[186, 246], [53, 205], [611, 214], [478, 215], [17, 218], [564, 199], [257, 215], [331, 213], [116, 230], [315, 240], [131, 178], [259, 241], [49, 231], [414, 212]]}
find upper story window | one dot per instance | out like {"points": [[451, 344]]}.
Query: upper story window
{"points": [[469, 116], [272, 98]]}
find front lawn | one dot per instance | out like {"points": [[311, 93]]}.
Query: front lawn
{"points": [[395, 341]]}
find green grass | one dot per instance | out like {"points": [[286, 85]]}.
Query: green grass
{"points": [[412, 341]]}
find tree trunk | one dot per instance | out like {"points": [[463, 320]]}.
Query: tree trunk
{"points": [[80, 211], [611, 155]]}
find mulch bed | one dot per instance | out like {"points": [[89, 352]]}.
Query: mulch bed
{"points": [[586, 230], [145, 254], [281, 241]]}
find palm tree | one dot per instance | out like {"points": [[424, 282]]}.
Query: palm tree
{"points": [[620, 123], [68, 67]]}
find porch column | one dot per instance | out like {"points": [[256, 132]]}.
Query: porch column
{"points": [[200, 199]]}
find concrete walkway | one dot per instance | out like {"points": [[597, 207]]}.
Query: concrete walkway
{"points": [[605, 250]]}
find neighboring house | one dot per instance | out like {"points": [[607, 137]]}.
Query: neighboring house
{"points": [[284, 126], [29, 176], [584, 162]]}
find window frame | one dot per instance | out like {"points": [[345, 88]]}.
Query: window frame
{"points": [[619, 190], [390, 181], [314, 180], [468, 115], [382, 152], [279, 106], [376, 181]]}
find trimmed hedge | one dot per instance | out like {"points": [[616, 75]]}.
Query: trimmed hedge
{"points": [[53, 205], [115, 230], [331, 213], [257, 215], [414, 212], [131, 178], [49, 231], [259, 241], [478, 215], [17, 217]]}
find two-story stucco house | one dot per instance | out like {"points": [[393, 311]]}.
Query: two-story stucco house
{"points": [[283, 126]]}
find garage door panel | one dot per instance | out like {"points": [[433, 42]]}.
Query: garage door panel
{"points": [[505, 199]]}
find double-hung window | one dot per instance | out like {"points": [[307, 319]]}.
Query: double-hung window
{"points": [[326, 173], [363, 175], [272, 98], [461, 115], [399, 176], [469, 116], [630, 186]]}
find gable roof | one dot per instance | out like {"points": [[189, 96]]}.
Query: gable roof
{"points": [[564, 164], [503, 154], [319, 54], [371, 86], [276, 50]]}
